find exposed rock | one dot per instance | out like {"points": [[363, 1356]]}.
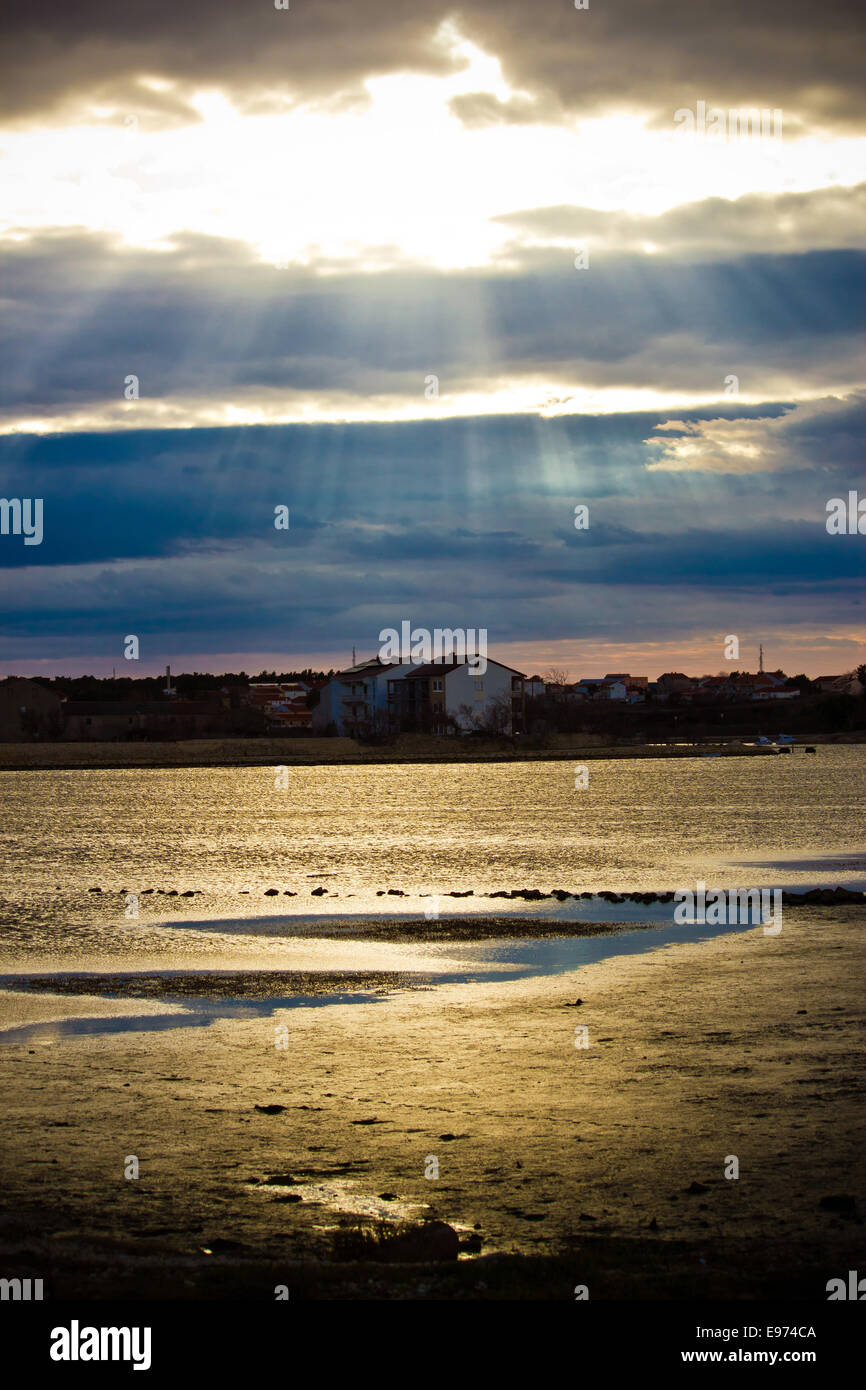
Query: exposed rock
{"points": [[842, 1204], [696, 1188], [271, 892], [269, 1109], [826, 897], [318, 892], [435, 1240]]}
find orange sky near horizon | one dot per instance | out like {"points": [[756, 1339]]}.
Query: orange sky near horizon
{"points": [[822, 654]]}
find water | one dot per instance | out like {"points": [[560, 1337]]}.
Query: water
{"points": [[474, 964], [230, 834]]}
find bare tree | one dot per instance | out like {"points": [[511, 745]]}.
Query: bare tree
{"points": [[498, 714], [556, 675], [470, 720]]}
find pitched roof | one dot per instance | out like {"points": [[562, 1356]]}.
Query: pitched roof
{"points": [[364, 668], [434, 668]]}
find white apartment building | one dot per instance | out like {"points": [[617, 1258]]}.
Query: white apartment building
{"points": [[376, 696]]}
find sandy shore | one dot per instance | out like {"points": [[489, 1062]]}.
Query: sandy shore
{"points": [[315, 752], [601, 1165]]}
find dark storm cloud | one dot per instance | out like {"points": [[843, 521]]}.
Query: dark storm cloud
{"points": [[205, 320], [474, 497], [441, 514], [619, 53]]}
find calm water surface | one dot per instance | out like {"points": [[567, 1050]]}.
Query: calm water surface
{"points": [[425, 829]]}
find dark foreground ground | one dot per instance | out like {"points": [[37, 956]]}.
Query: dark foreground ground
{"points": [[610, 1267], [557, 1165]]}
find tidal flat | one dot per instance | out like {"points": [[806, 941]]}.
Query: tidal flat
{"points": [[557, 1165], [432, 1032]]}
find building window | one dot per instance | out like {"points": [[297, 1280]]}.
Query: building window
{"points": [[438, 685]]}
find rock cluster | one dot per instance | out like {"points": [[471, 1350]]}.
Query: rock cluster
{"points": [[821, 896]]}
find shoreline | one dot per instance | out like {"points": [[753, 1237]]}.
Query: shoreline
{"points": [[608, 1170], [267, 752]]}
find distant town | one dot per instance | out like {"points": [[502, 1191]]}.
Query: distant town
{"points": [[374, 700]]}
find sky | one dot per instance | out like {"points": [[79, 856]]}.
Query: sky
{"points": [[430, 278]]}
